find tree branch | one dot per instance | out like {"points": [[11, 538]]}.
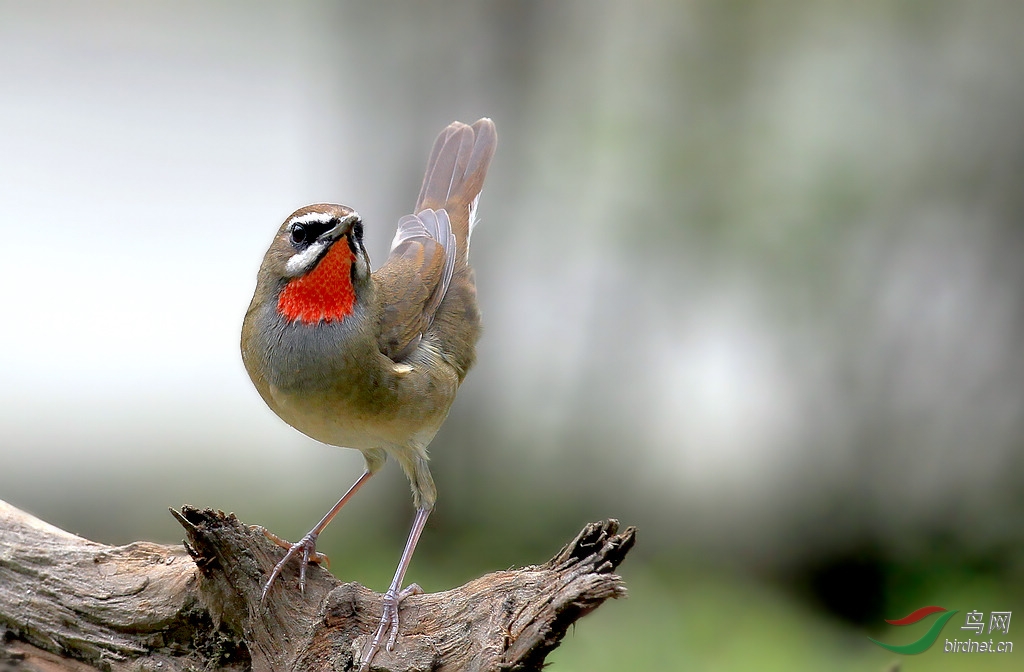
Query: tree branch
{"points": [[67, 603]]}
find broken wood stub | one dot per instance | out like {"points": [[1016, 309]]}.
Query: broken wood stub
{"points": [[66, 602]]}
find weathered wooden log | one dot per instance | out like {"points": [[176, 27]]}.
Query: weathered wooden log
{"points": [[67, 603]]}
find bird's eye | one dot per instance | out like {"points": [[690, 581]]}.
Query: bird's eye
{"points": [[298, 234]]}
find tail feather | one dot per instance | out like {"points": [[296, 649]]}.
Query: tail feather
{"points": [[455, 175]]}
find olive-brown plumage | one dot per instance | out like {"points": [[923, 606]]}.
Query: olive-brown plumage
{"points": [[373, 361]]}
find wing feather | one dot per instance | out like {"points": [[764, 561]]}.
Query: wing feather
{"points": [[430, 251], [414, 279]]}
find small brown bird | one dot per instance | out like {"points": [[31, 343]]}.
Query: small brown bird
{"points": [[372, 361]]}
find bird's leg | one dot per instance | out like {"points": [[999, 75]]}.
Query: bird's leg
{"points": [[307, 545], [389, 617]]}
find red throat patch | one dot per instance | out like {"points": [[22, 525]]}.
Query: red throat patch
{"points": [[325, 294]]}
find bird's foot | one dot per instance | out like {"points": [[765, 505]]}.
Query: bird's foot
{"points": [[388, 623], [307, 546]]}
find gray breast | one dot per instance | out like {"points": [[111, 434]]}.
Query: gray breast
{"points": [[312, 357]]}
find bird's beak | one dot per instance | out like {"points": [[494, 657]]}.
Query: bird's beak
{"points": [[341, 228]]}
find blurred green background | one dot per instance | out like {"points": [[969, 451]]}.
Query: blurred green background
{"points": [[752, 276]]}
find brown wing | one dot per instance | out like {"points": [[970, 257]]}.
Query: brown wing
{"points": [[430, 252], [414, 279]]}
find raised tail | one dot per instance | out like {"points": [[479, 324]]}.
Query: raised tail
{"points": [[455, 175]]}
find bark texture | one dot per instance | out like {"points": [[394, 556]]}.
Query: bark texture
{"points": [[67, 603]]}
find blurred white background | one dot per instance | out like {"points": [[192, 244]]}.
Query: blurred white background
{"points": [[751, 273]]}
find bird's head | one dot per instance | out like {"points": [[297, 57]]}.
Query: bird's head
{"points": [[317, 265]]}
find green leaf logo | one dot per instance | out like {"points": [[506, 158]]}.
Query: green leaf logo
{"points": [[927, 639]]}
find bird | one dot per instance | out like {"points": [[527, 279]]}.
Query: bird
{"points": [[372, 360]]}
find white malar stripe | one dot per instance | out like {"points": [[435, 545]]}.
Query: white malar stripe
{"points": [[300, 263]]}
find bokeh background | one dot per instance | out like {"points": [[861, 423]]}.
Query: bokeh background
{"points": [[752, 276]]}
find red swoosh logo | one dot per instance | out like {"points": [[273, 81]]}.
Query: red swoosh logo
{"points": [[915, 616]]}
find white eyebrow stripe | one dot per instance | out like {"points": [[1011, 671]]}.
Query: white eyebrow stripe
{"points": [[318, 217]]}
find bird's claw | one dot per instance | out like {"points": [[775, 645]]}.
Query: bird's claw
{"points": [[388, 623], [307, 545]]}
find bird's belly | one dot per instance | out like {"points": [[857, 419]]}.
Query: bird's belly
{"points": [[340, 422]]}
